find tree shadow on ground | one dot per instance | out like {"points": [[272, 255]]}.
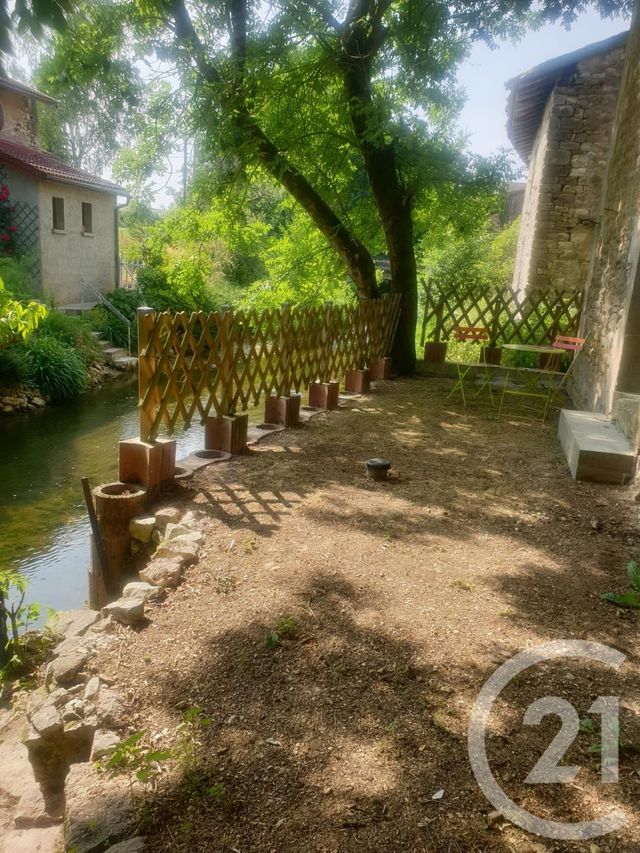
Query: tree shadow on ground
{"points": [[329, 734]]}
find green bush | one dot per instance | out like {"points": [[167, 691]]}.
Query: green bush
{"points": [[55, 368], [111, 327], [72, 331], [14, 366]]}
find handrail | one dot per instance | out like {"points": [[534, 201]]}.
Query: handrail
{"points": [[104, 301]]}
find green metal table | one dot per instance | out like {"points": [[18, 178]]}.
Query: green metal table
{"points": [[532, 378]]}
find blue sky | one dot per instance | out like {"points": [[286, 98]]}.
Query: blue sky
{"points": [[484, 74]]}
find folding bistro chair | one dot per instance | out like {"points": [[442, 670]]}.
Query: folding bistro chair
{"points": [[568, 344], [479, 335]]}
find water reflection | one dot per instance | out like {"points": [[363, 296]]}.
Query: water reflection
{"points": [[44, 531]]}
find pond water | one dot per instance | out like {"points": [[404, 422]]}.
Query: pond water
{"points": [[44, 528]]}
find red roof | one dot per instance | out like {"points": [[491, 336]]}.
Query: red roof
{"points": [[48, 167]]}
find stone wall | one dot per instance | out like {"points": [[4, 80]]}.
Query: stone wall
{"points": [[68, 257], [566, 174], [20, 122], [611, 313]]}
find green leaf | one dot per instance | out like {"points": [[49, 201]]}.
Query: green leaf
{"points": [[633, 570], [626, 599]]}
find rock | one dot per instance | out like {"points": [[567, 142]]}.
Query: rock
{"points": [[192, 519], [92, 689], [31, 810], [99, 810], [194, 538], [47, 721], [174, 530], [65, 668], [186, 552], [110, 710], [143, 591], [133, 845], [48, 840], [103, 743], [142, 528], [78, 738], [77, 709], [157, 537], [167, 515], [163, 572], [71, 645], [16, 774], [74, 623], [38, 402], [128, 611]]}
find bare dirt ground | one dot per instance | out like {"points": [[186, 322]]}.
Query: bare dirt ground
{"points": [[337, 632]]}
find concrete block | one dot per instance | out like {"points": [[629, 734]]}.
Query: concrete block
{"points": [[283, 410], [595, 448], [324, 395], [228, 433], [380, 369], [357, 381]]}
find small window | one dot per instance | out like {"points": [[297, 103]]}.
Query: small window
{"points": [[87, 218], [58, 213]]}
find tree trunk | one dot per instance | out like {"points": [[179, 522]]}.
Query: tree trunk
{"points": [[392, 199]]}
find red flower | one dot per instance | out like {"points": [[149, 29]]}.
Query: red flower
{"points": [[5, 237]]}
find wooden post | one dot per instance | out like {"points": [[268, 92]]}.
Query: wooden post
{"points": [[116, 504], [146, 366]]}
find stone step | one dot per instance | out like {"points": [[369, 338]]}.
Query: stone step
{"points": [[626, 414], [595, 448], [97, 335], [76, 308], [126, 362], [112, 353]]}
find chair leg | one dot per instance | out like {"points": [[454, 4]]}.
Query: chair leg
{"points": [[504, 389]]}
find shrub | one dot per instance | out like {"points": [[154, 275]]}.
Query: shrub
{"points": [[55, 368], [14, 366], [111, 327], [72, 331]]}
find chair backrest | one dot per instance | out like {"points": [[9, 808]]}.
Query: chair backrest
{"points": [[470, 333], [568, 344]]}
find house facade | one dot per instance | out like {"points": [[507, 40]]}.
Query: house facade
{"points": [[560, 121], [65, 217], [576, 122]]}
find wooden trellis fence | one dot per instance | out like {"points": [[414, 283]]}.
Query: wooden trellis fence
{"points": [[219, 363], [506, 314]]}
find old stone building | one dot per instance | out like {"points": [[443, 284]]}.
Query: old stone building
{"points": [[560, 120], [64, 217], [607, 375]]}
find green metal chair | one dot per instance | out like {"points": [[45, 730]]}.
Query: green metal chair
{"points": [[545, 384], [479, 335]]}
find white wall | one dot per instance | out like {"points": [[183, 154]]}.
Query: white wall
{"points": [[67, 258]]}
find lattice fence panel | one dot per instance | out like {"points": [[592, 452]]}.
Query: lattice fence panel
{"points": [[507, 315], [200, 364]]}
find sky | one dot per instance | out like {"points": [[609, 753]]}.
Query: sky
{"points": [[486, 71]]}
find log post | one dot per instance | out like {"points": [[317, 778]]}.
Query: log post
{"points": [[116, 504]]}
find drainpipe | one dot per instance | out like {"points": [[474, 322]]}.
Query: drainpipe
{"points": [[116, 216]]}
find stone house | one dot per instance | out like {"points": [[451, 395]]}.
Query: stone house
{"points": [[65, 217], [560, 119], [576, 122]]}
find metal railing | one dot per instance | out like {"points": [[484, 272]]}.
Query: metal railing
{"points": [[84, 285]]}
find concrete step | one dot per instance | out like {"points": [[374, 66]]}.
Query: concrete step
{"points": [[595, 448], [626, 414], [76, 308], [97, 335], [112, 353], [126, 362]]}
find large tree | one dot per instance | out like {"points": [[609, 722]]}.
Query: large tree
{"points": [[296, 86]]}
